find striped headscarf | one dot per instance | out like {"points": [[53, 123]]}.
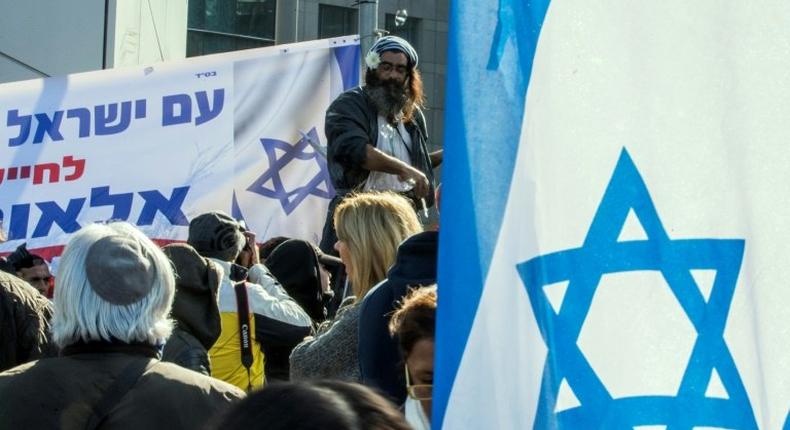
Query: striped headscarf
{"points": [[395, 43]]}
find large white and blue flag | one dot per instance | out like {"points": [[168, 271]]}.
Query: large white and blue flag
{"points": [[614, 248]]}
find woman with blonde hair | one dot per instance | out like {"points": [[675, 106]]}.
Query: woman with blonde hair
{"points": [[369, 226]]}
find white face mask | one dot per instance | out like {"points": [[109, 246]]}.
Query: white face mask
{"points": [[415, 415]]}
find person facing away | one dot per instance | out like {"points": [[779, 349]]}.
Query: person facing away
{"points": [[370, 226], [379, 357], [376, 134], [414, 324], [195, 309], [324, 405], [254, 308], [24, 323], [299, 266], [114, 294]]}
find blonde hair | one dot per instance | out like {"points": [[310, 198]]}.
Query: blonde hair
{"points": [[372, 225]]}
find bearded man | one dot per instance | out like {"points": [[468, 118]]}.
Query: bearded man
{"points": [[376, 134]]}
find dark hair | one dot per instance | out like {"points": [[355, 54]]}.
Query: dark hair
{"points": [[266, 248], [289, 406], [30, 261], [415, 91], [415, 319], [373, 411]]}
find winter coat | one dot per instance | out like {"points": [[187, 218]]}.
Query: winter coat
{"points": [[380, 360], [24, 323], [125, 386], [332, 353], [351, 124], [195, 309], [276, 321]]}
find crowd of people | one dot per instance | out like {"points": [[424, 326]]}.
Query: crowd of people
{"points": [[224, 332]]}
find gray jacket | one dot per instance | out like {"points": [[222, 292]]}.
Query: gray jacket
{"points": [[332, 353]]}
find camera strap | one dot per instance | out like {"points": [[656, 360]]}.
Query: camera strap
{"points": [[245, 335]]}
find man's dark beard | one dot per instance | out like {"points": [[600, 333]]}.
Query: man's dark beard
{"points": [[389, 97]]}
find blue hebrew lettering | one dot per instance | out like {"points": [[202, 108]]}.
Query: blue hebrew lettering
{"points": [[17, 228], [48, 126], [23, 122], [121, 203], [51, 214], [139, 109], [169, 103], [206, 112], [170, 208], [84, 116], [103, 121]]}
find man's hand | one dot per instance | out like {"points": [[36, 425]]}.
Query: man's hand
{"points": [[420, 181], [249, 256], [381, 162]]}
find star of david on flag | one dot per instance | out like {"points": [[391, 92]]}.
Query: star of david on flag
{"points": [[603, 253], [271, 183]]}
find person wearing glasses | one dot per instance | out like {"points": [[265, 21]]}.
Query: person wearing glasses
{"points": [[376, 134], [414, 324]]}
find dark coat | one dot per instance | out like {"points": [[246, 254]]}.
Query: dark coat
{"points": [[380, 360], [24, 323], [62, 392], [351, 124], [195, 309]]}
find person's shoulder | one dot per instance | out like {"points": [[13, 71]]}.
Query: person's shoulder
{"points": [[15, 371], [379, 296], [189, 378]]}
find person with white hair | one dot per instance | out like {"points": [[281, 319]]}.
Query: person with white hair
{"points": [[112, 301]]}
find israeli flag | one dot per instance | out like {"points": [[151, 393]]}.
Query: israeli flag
{"points": [[615, 224]]}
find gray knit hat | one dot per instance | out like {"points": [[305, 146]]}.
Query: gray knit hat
{"points": [[216, 235], [119, 270]]}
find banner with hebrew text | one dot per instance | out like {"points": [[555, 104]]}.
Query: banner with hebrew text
{"points": [[156, 146]]}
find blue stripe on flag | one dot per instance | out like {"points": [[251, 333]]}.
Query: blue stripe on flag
{"points": [[491, 48], [236, 209], [347, 58]]}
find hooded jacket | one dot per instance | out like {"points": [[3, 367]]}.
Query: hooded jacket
{"points": [[295, 265], [24, 323], [380, 360], [195, 309]]}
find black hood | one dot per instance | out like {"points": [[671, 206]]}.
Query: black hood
{"points": [[415, 263], [294, 263], [195, 306]]}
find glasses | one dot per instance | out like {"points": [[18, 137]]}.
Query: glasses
{"points": [[386, 66], [417, 392]]}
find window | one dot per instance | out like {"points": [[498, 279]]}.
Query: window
{"points": [[409, 30], [229, 25], [334, 21]]}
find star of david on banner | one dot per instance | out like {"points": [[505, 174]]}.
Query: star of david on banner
{"points": [[291, 199], [602, 253]]}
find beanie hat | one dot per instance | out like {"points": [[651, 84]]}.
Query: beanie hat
{"points": [[216, 235]]}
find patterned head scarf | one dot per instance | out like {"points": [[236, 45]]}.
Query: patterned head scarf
{"points": [[391, 43]]}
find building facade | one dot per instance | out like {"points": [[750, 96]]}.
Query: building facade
{"points": [[228, 25]]}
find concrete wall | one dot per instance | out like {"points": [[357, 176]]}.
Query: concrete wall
{"points": [[41, 38]]}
